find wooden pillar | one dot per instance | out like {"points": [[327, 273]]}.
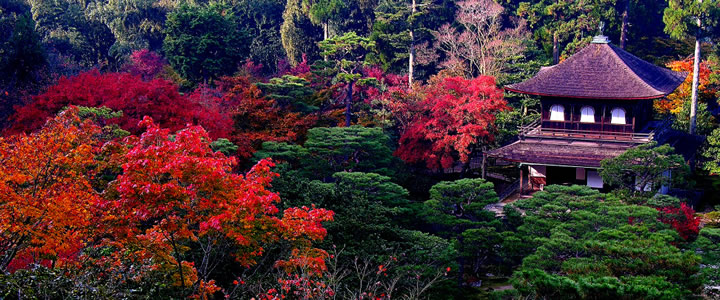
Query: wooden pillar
{"points": [[521, 181], [633, 110], [572, 116], [602, 120]]}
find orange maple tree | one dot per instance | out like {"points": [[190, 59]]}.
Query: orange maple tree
{"points": [[258, 119], [47, 204], [673, 103]]}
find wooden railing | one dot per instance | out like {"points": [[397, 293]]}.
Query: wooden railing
{"points": [[535, 130], [577, 125]]}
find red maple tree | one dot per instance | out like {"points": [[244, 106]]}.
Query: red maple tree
{"points": [[175, 194], [157, 98], [146, 64], [173, 197], [446, 120], [707, 89], [682, 219]]}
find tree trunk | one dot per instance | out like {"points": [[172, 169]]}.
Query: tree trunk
{"points": [[326, 26], [556, 51], [623, 31], [461, 263], [411, 58], [348, 104], [484, 164], [696, 71], [326, 29]]}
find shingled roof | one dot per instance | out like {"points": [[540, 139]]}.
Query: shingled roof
{"points": [[559, 152], [602, 71]]}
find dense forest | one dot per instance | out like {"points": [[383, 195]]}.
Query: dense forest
{"points": [[334, 149]]}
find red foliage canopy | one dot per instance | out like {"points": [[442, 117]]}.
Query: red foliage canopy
{"points": [[682, 219], [157, 98], [178, 191], [146, 64], [174, 196], [447, 119]]}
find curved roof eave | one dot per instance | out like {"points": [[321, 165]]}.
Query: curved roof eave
{"points": [[507, 88]]}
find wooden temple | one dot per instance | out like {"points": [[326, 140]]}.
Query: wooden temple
{"points": [[595, 105]]}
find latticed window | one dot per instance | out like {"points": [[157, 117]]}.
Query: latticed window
{"points": [[587, 114], [557, 113], [618, 116]]}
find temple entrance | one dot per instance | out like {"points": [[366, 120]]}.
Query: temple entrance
{"points": [[563, 176]]}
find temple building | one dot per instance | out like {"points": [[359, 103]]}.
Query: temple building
{"points": [[595, 105]]}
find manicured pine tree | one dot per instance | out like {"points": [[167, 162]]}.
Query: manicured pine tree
{"points": [[348, 52]]}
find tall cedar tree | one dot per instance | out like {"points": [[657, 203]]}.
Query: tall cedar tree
{"points": [[566, 23], [402, 31], [699, 19], [322, 12], [299, 35]]}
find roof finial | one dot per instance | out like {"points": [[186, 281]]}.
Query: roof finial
{"points": [[600, 38]]}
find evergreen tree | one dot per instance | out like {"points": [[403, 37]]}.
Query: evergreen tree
{"points": [[403, 31], [644, 168], [298, 34], [290, 90], [203, 42], [65, 28], [262, 19], [348, 53], [568, 24], [711, 153], [335, 149], [586, 245], [322, 12], [457, 208], [135, 24], [22, 53]]}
